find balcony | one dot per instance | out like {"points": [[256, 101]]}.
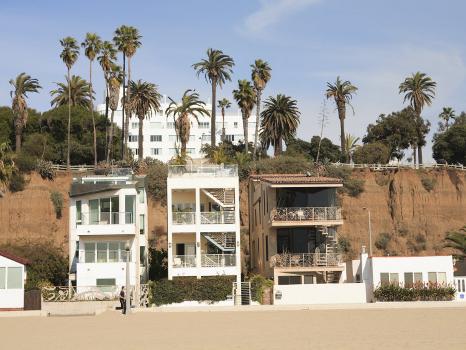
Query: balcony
{"points": [[207, 260], [183, 218], [306, 216], [203, 170], [106, 223], [218, 217], [306, 260]]}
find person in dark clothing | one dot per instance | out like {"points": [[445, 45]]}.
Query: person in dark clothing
{"points": [[123, 300]]}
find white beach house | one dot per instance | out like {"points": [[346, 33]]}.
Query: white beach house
{"points": [[12, 280]]}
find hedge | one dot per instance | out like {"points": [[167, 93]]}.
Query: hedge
{"points": [[420, 292], [258, 285], [210, 289]]}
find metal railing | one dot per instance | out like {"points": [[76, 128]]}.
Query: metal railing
{"points": [[306, 214], [203, 170], [218, 260], [183, 218], [305, 260], [218, 217], [106, 218], [184, 261]]}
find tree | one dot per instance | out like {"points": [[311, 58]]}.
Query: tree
{"points": [[457, 241], [261, 74], [245, 98], [92, 45], [190, 106], [372, 153], [127, 40], [280, 119], [328, 151], [217, 69], [350, 146], [7, 165], [115, 79], [69, 56], [106, 60], [447, 114], [223, 104], [342, 92], [75, 92], [450, 145], [145, 98], [22, 85], [419, 90]]}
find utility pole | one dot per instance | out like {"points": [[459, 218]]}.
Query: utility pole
{"points": [[128, 285]]}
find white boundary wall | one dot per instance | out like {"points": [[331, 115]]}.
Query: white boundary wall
{"points": [[331, 293]]}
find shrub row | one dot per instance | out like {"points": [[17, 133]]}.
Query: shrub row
{"points": [[258, 286], [420, 292], [210, 289]]}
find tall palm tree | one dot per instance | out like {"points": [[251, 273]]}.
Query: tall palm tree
{"points": [[350, 145], [245, 98], [342, 92], [92, 45], [127, 40], [22, 85], [280, 119], [223, 104], [190, 106], [261, 74], [69, 56], [145, 98], [75, 92], [106, 60], [419, 90], [457, 240], [447, 114], [114, 81], [217, 69]]}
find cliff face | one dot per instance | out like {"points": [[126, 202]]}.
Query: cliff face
{"points": [[411, 211]]}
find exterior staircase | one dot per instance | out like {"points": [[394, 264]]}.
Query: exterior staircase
{"points": [[222, 196], [223, 241], [331, 247]]}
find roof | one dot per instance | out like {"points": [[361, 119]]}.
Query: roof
{"points": [[18, 259], [295, 179], [79, 189]]}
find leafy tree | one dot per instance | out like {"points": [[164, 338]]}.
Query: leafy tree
{"points": [[7, 165], [22, 85], [260, 76], [372, 153], [450, 145], [419, 90], [223, 104], [447, 114], [457, 241], [217, 69], [342, 92], [190, 106], [75, 92], [145, 98], [245, 98], [157, 173], [280, 119], [7, 133], [328, 151]]}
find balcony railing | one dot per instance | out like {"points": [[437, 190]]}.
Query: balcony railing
{"points": [[207, 260], [297, 214], [183, 218], [106, 218], [305, 260], [218, 217], [184, 261], [202, 170]]}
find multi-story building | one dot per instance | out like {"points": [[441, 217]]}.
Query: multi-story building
{"points": [[159, 136], [203, 221], [108, 221], [293, 222]]}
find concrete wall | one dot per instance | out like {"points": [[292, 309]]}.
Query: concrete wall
{"points": [[11, 298], [78, 308], [88, 273], [332, 293]]}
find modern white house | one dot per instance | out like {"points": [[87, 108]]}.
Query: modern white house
{"points": [[203, 221], [159, 136], [12, 280], [108, 225]]}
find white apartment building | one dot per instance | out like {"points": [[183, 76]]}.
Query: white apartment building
{"points": [[108, 218], [159, 136], [203, 221]]}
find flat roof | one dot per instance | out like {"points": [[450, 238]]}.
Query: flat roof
{"points": [[296, 179]]}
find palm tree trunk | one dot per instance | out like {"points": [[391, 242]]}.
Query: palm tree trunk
{"points": [[414, 155], [278, 147], [91, 106], [110, 137], [123, 148], [419, 154], [128, 116], [245, 132], [18, 140], [69, 123], [213, 124], [140, 140], [256, 132], [223, 124]]}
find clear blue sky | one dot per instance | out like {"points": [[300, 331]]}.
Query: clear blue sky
{"points": [[373, 43]]}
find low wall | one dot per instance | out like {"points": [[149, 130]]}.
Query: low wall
{"points": [[78, 307], [332, 293]]}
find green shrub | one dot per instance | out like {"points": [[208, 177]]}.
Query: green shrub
{"points": [[45, 169], [258, 285], [156, 180], [282, 165], [17, 182], [428, 183], [210, 289], [344, 245], [57, 201], [26, 163], [353, 187], [420, 292], [158, 264], [372, 153], [383, 240]]}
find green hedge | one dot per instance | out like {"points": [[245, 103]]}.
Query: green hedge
{"points": [[258, 285], [421, 292], [181, 289]]}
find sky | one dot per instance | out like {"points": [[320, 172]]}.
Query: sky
{"points": [[373, 43]]}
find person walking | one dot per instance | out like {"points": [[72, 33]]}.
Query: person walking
{"points": [[123, 300]]}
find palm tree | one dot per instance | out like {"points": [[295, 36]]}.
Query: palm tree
{"points": [[217, 69], [350, 145], [223, 104], [115, 80], [190, 106], [69, 56], [22, 85], [280, 119], [145, 98], [419, 90], [92, 45], [127, 40], [447, 114], [246, 98], [75, 92], [342, 92], [260, 76], [106, 60], [457, 240]]}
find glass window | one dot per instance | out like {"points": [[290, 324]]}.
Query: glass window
{"points": [[441, 278], [134, 125], [409, 280], [205, 137], [102, 252], [384, 279], [141, 224], [106, 284], [78, 213], [115, 208], [155, 151], [2, 277], [135, 151], [141, 196], [155, 138], [283, 280], [94, 211], [123, 252], [142, 255], [235, 125], [394, 278], [417, 277], [132, 138], [113, 248], [204, 125], [170, 125], [89, 252], [105, 210], [308, 279], [129, 209], [432, 276], [14, 278], [266, 248]]}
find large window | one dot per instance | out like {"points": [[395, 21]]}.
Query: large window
{"points": [[283, 280], [142, 255], [133, 138], [388, 278], [437, 277], [155, 151], [155, 138], [412, 278], [78, 213], [142, 224], [104, 211], [15, 278], [106, 284], [130, 208], [103, 252], [204, 125]]}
